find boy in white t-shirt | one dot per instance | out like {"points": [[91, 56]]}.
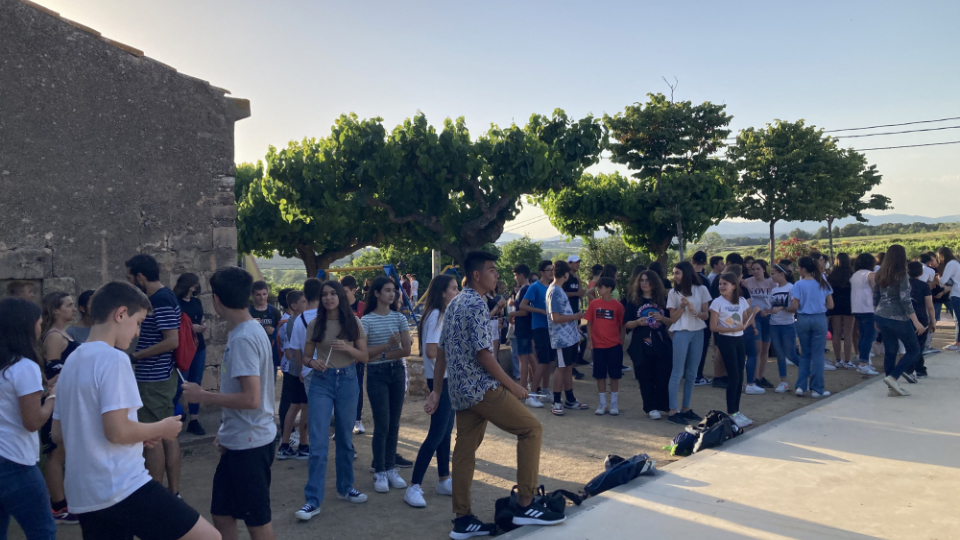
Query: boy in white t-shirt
{"points": [[95, 417], [241, 485]]}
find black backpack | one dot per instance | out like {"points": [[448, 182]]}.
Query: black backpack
{"points": [[555, 501], [620, 472], [715, 428]]}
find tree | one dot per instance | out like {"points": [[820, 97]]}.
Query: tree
{"points": [[519, 251], [846, 188], [799, 233], [782, 170], [612, 250]]}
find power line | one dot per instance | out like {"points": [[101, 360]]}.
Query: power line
{"points": [[528, 220], [907, 146], [895, 125], [515, 227], [896, 132]]}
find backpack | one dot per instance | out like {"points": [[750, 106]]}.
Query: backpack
{"points": [[620, 472], [715, 428], [188, 343], [555, 501]]}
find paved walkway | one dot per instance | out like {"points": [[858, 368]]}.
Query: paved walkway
{"points": [[857, 465]]}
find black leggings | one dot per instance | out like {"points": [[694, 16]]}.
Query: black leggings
{"points": [[733, 350]]}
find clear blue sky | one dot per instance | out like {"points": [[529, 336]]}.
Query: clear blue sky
{"points": [[836, 64]]}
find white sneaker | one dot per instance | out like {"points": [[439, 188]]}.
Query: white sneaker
{"points": [[790, 363], [306, 512], [827, 366], [380, 483], [753, 390], [294, 438], [393, 478], [414, 497], [601, 410], [741, 420], [849, 365], [867, 370], [781, 388], [893, 385], [931, 350], [534, 402], [353, 496], [654, 415], [817, 395], [799, 392], [952, 347], [839, 364], [445, 487], [358, 428], [614, 410]]}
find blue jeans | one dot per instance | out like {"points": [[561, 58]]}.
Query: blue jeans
{"points": [[687, 346], [438, 439], [332, 392], [893, 331], [194, 375], [514, 357], [386, 388], [955, 306], [812, 331], [868, 333], [750, 338], [784, 339], [24, 497]]}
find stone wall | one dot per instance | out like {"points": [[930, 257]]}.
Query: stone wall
{"points": [[106, 153]]}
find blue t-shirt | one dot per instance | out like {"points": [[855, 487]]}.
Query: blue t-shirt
{"points": [[813, 299], [537, 296]]}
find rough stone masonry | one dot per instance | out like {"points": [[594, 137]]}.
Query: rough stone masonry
{"points": [[106, 153]]}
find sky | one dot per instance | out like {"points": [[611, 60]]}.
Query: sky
{"points": [[837, 65]]}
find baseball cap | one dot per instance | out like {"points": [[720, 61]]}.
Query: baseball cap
{"points": [[573, 258]]}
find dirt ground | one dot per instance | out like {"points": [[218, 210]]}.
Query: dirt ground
{"points": [[574, 447]]}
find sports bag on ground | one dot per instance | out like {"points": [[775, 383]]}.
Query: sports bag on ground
{"points": [[620, 472]]}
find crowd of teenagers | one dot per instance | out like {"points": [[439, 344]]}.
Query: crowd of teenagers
{"points": [[99, 398]]}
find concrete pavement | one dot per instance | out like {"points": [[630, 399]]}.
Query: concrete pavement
{"points": [[857, 465]]}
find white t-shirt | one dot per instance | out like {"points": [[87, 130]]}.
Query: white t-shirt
{"points": [[760, 291], [99, 474], [689, 322], [781, 297], [928, 274], [861, 293], [298, 338], [951, 272], [247, 355], [16, 443], [432, 326], [730, 315], [414, 286]]}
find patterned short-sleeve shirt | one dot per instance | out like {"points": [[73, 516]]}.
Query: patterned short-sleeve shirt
{"points": [[466, 331], [562, 335]]}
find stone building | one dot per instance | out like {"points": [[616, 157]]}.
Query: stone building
{"points": [[106, 153]]}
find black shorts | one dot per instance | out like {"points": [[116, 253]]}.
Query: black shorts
{"points": [[241, 485], [608, 363], [294, 389], [567, 356], [541, 345], [150, 513]]}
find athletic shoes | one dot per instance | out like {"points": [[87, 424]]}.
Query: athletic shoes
{"points": [[910, 378], [536, 514], [469, 526], [557, 409], [692, 416], [614, 410], [414, 496], [839, 364], [790, 362], [306, 512], [195, 428], [534, 403], [64, 517], [827, 366], [921, 375], [700, 381], [952, 347], [286, 452], [303, 452], [894, 386], [654, 415], [627, 369], [577, 375], [817, 395], [353, 496], [402, 463], [294, 438], [576, 405], [601, 410], [754, 390], [393, 478], [719, 383], [781, 388], [799, 392], [849, 365], [867, 370], [380, 483], [741, 420], [931, 350], [677, 419], [358, 428], [762, 382], [445, 487]]}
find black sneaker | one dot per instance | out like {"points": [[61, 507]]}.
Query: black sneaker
{"points": [[195, 428], [690, 415], [536, 514], [402, 463], [910, 377], [719, 383], [577, 375], [922, 375], [469, 526], [764, 383], [677, 419]]}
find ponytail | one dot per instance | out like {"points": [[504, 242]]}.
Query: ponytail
{"points": [[811, 267]]}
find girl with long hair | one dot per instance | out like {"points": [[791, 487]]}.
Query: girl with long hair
{"points": [[388, 343], [651, 349], [841, 316], [783, 328], [58, 312], [812, 297], [861, 305], [80, 330], [689, 305], [895, 318], [950, 281], [440, 292], [23, 494], [758, 342], [187, 291], [339, 341], [730, 315]]}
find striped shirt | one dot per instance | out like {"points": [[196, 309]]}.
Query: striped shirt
{"points": [[166, 316], [379, 328]]}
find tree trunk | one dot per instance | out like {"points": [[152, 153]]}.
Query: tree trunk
{"points": [[680, 234], [830, 235], [773, 242], [313, 263]]}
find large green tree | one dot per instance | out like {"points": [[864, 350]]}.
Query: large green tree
{"points": [[784, 169], [519, 251], [613, 250], [846, 192]]}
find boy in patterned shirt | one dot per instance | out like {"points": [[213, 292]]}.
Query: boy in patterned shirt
{"points": [[562, 325]]}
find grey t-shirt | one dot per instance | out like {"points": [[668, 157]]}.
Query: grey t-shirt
{"points": [[247, 354], [79, 333]]}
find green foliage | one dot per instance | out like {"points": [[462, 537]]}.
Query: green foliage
{"points": [[611, 250], [519, 251], [710, 243], [799, 233]]}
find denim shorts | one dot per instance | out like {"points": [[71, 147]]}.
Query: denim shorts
{"points": [[524, 345], [763, 328]]}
